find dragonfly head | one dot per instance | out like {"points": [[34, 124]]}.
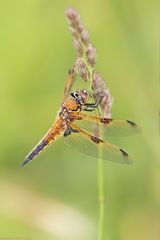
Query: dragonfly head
{"points": [[81, 96]]}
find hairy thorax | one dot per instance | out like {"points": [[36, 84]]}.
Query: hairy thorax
{"points": [[69, 106]]}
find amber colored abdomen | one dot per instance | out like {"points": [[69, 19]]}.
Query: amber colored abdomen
{"points": [[54, 132]]}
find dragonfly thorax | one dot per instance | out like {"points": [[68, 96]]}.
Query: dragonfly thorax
{"points": [[64, 113]]}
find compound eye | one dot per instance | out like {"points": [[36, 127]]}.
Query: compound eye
{"points": [[73, 95], [76, 95]]}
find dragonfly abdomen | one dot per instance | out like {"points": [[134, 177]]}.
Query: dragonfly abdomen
{"points": [[35, 152], [54, 132]]}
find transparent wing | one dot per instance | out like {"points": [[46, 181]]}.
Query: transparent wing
{"points": [[110, 127], [120, 128], [95, 147]]}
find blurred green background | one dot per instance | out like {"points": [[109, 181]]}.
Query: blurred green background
{"points": [[55, 197]]}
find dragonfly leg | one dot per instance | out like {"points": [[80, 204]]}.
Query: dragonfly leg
{"points": [[91, 106], [69, 130], [69, 83]]}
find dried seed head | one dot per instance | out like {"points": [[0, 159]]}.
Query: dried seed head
{"points": [[85, 37], [73, 32], [71, 14], [91, 55], [100, 91], [80, 35], [81, 68], [106, 103], [86, 60], [98, 85], [80, 27], [97, 79], [73, 18], [77, 46]]}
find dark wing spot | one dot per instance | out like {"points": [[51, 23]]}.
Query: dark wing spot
{"points": [[131, 123], [106, 120], [96, 140], [123, 153]]}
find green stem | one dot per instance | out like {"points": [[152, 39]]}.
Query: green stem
{"points": [[100, 175], [100, 178]]}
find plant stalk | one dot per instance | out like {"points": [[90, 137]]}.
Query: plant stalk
{"points": [[100, 175]]}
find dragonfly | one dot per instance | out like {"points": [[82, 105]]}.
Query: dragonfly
{"points": [[74, 109]]}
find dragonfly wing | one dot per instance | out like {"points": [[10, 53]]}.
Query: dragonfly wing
{"points": [[120, 128], [95, 147], [110, 127], [114, 128]]}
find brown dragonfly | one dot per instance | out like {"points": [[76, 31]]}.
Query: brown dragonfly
{"points": [[71, 112]]}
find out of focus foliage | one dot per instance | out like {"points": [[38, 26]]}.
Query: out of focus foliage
{"points": [[55, 197]]}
